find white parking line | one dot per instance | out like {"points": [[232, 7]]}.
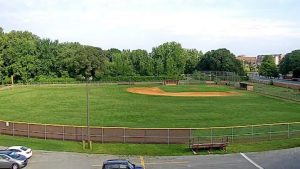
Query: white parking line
{"points": [[251, 161], [97, 165]]}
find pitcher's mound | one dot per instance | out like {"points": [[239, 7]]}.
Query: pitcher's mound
{"points": [[158, 92]]}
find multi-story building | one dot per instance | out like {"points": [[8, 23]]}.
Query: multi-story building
{"points": [[247, 59], [249, 63]]}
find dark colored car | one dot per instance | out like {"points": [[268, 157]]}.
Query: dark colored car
{"points": [[119, 164], [10, 159]]}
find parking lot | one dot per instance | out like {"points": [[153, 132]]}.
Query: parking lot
{"points": [[279, 159]]}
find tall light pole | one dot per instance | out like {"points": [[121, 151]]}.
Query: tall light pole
{"points": [[88, 112]]}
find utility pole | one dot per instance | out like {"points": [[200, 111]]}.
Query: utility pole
{"points": [[88, 115]]}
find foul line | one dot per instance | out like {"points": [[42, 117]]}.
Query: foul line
{"points": [[142, 162], [251, 161]]}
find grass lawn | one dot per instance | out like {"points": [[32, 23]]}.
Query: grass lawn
{"points": [[140, 149], [282, 92], [112, 105]]}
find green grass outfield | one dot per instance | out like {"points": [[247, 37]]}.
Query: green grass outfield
{"points": [[112, 105]]}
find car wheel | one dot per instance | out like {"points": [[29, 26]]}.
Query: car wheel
{"points": [[15, 166]]}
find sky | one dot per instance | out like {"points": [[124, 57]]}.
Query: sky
{"points": [[243, 26]]}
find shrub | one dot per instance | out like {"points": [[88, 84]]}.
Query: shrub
{"points": [[47, 79]]}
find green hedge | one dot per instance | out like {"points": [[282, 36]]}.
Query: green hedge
{"points": [[136, 78], [45, 79]]}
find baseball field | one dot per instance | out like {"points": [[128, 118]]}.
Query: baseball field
{"points": [[188, 106]]}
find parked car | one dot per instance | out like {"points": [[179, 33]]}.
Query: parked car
{"points": [[9, 159], [119, 164], [22, 150]]}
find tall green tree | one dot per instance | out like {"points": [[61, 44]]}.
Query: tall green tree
{"points": [[1, 54], [69, 54], [172, 56], [121, 64], [48, 54], [268, 67], [20, 55], [220, 60], [291, 63], [159, 67], [81, 62], [93, 62], [109, 54], [193, 57], [142, 62]]}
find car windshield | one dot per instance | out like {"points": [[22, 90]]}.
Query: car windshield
{"points": [[24, 148], [13, 155]]}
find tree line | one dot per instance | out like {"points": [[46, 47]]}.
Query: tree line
{"points": [[27, 57], [290, 64]]}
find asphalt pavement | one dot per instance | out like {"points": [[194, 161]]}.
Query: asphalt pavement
{"points": [[279, 159]]}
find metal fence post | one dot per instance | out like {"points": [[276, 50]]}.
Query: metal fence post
{"points": [[252, 133], [168, 136], [63, 134], [28, 130], [270, 132], [145, 135], [288, 130], [45, 132], [124, 135], [102, 133], [232, 134], [13, 129], [211, 135], [81, 133]]}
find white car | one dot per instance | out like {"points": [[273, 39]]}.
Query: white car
{"points": [[22, 150]]}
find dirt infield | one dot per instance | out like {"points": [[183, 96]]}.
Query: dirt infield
{"points": [[158, 92]]}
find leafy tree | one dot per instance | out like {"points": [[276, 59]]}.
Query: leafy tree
{"points": [[121, 64], [19, 55], [111, 52], [48, 52], [69, 54], [291, 62], [268, 67], [142, 62], [172, 56], [193, 57], [94, 63], [1, 53], [220, 60], [80, 61], [159, 67]]}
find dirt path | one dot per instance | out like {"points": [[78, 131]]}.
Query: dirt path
{"points": [[158, 92]]}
